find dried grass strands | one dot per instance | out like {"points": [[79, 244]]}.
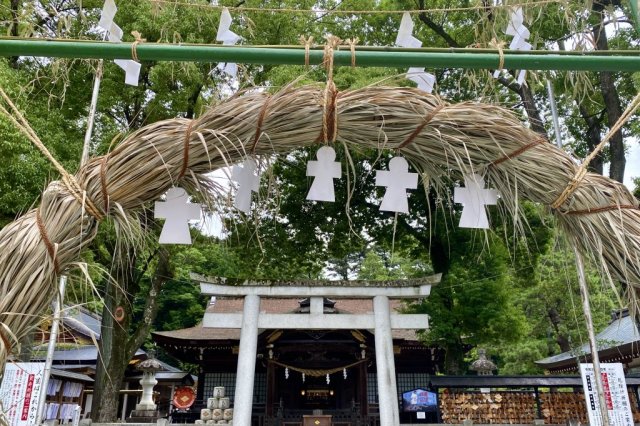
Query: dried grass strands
{"points": [[457, 139]]}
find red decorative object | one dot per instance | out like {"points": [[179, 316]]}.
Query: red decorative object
{"points": [[183, 397]]}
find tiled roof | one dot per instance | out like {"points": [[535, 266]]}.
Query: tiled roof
{"points": [[621, 331], [234, 305], [82, 320], [71, 375], [79, 353]]}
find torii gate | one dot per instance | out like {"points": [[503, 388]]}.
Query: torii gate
{"points": [[381, 321]]}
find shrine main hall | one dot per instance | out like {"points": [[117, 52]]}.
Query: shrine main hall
{"points": [[286, 350]]}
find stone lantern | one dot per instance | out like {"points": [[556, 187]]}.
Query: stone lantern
{"points": [[482, 365], [148, 367]]}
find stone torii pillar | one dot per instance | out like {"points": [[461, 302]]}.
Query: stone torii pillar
{"points": [[246, 360], [385, 364], [382, 321]]}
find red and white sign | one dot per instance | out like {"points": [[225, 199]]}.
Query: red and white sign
{"points": [[616, 396], [20, 391]]}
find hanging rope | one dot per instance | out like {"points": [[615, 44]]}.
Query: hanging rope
{"points": [[134, 45], [351, 42], [329, 131], [306, 42], [499, 45], [318, 372]]}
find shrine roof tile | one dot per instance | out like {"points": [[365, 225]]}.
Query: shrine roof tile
{"points": [[617, 338]]}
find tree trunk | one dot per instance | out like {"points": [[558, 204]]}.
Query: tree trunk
{"points": [[561, 339], [593, 137], [113, 357], [120, 340], [611, 100], [454, 355], [110, 370]]}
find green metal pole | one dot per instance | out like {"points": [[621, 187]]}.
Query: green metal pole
{"points": [[380, 57]]}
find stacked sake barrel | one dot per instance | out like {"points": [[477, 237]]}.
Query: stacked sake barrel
{"points": [[218, 411]]}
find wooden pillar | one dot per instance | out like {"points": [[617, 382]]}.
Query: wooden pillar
{"points": [[363, 398], [200, 390], [271, 388], [538, 403]]}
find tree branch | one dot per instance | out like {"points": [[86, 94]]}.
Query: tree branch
{"points": [[537, 125], [436, 28], [528, 102]]}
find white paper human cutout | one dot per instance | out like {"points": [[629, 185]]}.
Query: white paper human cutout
{"points": [[227, 37], [404, 38], [324, 171], [474, 197], [178, 212], [131, 69], [520, 35], [248, 182], [109, 10], [397, 180]]}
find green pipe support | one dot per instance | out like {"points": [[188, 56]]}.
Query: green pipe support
{"points": [[371, 57]]}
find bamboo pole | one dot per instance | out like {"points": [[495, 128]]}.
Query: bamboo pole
{"points": [[376, 57], [53, 338], [595, 358]]}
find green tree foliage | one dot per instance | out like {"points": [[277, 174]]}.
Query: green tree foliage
{"points": [[381, 265], [180, 300], [25, 170], [550, 300]]}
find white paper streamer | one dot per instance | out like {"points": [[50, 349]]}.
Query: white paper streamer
{"points": [[324, 171], [130, 67], [227, 37], [405, 38], [520, 35], [108, 13]]}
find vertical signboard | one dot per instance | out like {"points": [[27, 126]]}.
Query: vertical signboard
{"points": [[20, 391], [615, 395]]}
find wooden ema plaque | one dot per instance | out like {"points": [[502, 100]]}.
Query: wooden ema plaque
{"points": [[316, 420]]}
